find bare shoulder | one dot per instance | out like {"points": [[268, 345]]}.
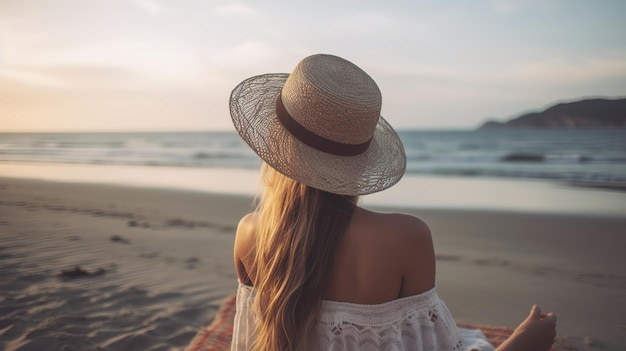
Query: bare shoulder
{"points": [[244, 242], [400, 228], [411, 226], [245, 233], [415, 235], [409, 239], [418, 257], [247, 223]]}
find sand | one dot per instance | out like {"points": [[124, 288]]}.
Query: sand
{"points": [[156, 263]]}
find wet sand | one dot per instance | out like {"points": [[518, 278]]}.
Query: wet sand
{"points": [[106, 267]]}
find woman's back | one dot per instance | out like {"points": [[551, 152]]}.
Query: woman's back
{"points": [[380, 257], [380, 292]]}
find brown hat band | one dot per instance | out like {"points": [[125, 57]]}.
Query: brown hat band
{"points": [[313, 140]]}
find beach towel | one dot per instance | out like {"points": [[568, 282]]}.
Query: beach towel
{"points": [[217, 335]]}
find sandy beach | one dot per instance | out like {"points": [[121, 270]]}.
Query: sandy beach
{"points": [[154, 265]]}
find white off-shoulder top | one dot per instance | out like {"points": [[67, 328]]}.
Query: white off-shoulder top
{"points": [[419, 322]]}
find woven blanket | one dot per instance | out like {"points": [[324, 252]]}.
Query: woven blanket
{"points": [[217, 336]]}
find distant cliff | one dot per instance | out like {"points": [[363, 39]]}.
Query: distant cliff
{"points": [[591, 113]]}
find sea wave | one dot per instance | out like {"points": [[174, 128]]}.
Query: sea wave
{"points": [[594, 155]]}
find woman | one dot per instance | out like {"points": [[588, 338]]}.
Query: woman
{"points": [[315, 270]]}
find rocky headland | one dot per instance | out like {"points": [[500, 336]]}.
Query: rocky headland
{"points": [[589, 113]]}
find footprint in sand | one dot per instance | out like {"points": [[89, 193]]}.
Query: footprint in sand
{"points": [[452, 258], [602, 280], [191, 262], [494, 262], [119, 239], [149, 255]]}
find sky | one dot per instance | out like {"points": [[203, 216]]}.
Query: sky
{"points": [[170, 65]]}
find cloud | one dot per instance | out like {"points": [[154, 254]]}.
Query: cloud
{"points": [[256, 57], [567, 72], [32, 78], [236, 9], [246, 53], [513, 6], [164, 58], [367, 21], [533, 72], [149, 6]]}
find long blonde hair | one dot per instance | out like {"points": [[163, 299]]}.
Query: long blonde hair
{"points": [[297, 235]]}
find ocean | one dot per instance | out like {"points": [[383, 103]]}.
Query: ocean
{"points": [[595, 157]]}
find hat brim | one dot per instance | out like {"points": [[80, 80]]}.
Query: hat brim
{"points": [[252, 108]]}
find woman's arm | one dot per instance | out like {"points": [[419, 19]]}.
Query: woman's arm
{"points": [[536, 332]]}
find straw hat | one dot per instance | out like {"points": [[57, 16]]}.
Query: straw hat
{"points": [[321, 126]]}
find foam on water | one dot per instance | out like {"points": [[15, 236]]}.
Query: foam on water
{"points": [[591, 156]]}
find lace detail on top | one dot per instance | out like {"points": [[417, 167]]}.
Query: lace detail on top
{"points": [[419, 322]]}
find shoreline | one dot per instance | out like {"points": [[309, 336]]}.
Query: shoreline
{"points": [[502, 194], [167, 261]]}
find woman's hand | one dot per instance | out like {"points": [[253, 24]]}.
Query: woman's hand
{"points": [[536, 332]]}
